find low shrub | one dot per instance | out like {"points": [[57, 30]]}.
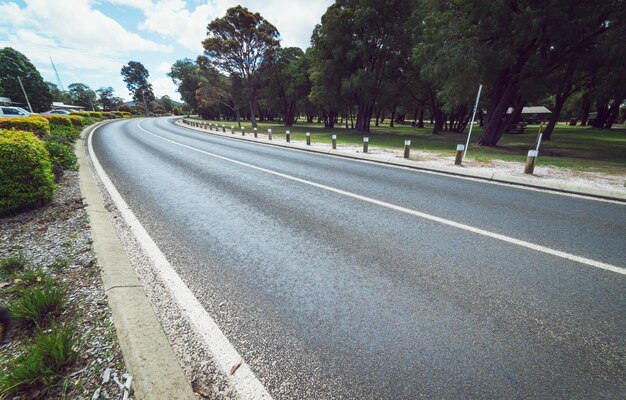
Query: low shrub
{"points": [[26, 179], [11, 265], [64, 134], [37, 306], [62, 157], [36, 124], [42, 363], [76, 120], [95, 114], [59, 119]]}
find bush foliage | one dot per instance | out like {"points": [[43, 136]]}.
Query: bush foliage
{"points": [[62, 157], [26, 178], [39, 125]]}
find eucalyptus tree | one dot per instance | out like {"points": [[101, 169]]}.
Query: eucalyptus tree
{"points": [[239, 44], [135, 76]]}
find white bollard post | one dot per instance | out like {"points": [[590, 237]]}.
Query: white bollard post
{"points": [[308, 138], [334, 139], [407, 148], [531, 159], [288, 136], [269, 134], [366, 142], [243, 131], [460, 149], [232, 129], [223, 128], [256, 134]]}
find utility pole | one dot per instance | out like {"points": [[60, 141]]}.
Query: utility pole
{"points": [[21, 84], [24, 91]]}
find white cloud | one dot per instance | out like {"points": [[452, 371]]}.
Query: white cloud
{"points": [[164, 67], [164, 86], [178, 20]]}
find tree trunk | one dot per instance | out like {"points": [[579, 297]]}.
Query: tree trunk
{"points": [[585, 113], [603, 111], [496, 115], [613, 113], [554, 117], [377, 116], [420, 124], [393, 116]]}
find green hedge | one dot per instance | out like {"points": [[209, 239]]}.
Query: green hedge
{"points": [[77, 120], [59, 119], [37, 124], [62, 157], [26, 178]]}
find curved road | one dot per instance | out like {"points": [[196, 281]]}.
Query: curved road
{"points": [[328, 295]]}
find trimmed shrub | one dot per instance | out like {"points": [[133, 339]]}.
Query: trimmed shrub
{"points": [[36, 124], [62, 157], [94, 114], [76, 120], [59, 119], [63, 134], [26, 179]]}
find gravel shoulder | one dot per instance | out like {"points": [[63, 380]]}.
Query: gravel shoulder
{"points": [[57, 238]]}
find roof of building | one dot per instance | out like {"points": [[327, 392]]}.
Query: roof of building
{"points": [[56, 105], [532, 110]]}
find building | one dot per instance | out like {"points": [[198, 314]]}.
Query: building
{"points": [[60, 106]]}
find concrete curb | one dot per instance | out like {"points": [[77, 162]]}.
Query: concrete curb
{"points": [[452, 170], [146, 350]]}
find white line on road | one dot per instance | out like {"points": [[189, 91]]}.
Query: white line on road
{"points": [[504, 238], [226, 356]]}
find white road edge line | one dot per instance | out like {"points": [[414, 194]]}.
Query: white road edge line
{"points": [[226, 356], [504, 238]]}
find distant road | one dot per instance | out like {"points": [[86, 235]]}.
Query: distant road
{"points": [[337, 278]]}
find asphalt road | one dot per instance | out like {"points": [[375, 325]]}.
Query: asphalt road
{"points": [[329, 296]]}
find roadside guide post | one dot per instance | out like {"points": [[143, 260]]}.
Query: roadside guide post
{"points": [[334, 138], [366, 142]]}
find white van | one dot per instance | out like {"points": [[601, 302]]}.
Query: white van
{"points": [[12, 112]]}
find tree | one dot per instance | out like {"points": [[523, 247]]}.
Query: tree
{"points": [[239, 44], [135, 76], [286, 81], [107, 100], [370, 40], [82, 95], [187, 76], [57, 94], [511, 47], [14, 66]]}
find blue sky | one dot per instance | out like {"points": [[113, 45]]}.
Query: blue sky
{"points": [[90, 40]]}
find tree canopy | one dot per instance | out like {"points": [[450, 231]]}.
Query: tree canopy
{"points": [[135, 76], [14, 66]]}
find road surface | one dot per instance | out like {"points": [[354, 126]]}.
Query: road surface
{"points": [[345, 279]]}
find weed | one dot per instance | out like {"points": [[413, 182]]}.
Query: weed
{"points": [[43, 361], [60, 263], [38, 305], [11, 265]]}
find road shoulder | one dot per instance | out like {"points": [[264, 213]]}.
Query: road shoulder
{"points": [[147, 352]]}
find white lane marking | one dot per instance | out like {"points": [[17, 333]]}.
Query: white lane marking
{"points": [[226, 356], [504, 238]]}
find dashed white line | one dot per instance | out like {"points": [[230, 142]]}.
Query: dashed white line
{"points": [[504, 238]]}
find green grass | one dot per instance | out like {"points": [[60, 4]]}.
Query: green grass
{"points": [[12, 265], [38, 305], [42, 362], [580, 148]]}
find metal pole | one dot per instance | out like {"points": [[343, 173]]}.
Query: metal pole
{"points": [[469, 134], [539, 138], [25, 95]]}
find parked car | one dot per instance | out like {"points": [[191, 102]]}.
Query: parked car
{"points": [[12, 112], [57, 112]]}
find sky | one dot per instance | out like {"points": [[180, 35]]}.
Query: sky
{"points": [[90, 40]]}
